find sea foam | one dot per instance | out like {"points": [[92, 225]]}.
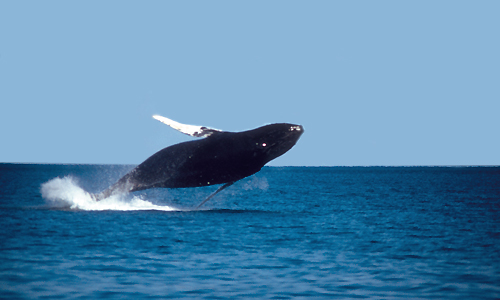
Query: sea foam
{"points": [[65, 193]]}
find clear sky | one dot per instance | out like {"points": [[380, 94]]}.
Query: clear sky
{"points": [[372, 82]]}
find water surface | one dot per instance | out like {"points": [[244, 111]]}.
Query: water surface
{"points": [[291, 232]]}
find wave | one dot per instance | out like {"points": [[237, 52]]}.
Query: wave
{"points": [[65, 193]]}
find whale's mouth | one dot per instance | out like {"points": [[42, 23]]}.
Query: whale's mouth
{"points": [[285, 142]]}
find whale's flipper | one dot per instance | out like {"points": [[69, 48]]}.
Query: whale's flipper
{"points": [[215, 193], [192, 130], [105, 194]]}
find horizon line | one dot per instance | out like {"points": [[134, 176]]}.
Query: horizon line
{"points": [[272, 166]]}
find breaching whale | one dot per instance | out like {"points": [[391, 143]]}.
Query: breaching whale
{"points": [[221, 157]]}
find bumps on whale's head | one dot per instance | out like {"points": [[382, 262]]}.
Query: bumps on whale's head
{"points": [[271, 141]]}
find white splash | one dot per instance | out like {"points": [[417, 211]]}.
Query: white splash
{"points": [[65, 192], [256, 183]]}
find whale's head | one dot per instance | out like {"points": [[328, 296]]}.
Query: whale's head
{"points": [[271, 141]]}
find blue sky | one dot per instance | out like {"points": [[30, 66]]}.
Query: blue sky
{"points": [[372, 82]]}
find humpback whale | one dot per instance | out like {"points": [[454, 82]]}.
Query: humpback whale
{"points": [[220, 157]]}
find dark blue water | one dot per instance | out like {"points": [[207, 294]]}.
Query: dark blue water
{"points": [[306, 233]]}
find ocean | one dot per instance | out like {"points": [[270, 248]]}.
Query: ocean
{"points": [[284, 233]]}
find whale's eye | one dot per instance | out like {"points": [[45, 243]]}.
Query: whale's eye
{"points": [[261, 145]]}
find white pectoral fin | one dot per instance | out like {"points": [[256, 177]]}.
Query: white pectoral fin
{"points": [[192, 130]]}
